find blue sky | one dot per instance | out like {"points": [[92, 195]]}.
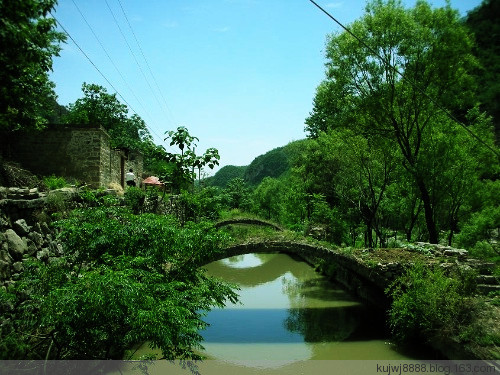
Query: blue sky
{"points": [[239, 74]]}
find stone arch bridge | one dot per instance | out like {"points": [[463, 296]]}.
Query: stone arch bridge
{"points": [[368, 283], [367, 280]]}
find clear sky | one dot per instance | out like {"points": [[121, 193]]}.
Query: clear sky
{"points": [[241, 75]]}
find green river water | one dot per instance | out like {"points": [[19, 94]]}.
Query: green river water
{"points": [[290, 320], [290, 312]]}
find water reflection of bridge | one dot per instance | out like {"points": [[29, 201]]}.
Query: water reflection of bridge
{"points": [[356, 276], [268, 270]]}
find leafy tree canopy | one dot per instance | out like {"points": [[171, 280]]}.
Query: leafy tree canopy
{"points": [[484, 22], [29, 41], [389, 84], [226, 174], [125, 280], [98, 107]]}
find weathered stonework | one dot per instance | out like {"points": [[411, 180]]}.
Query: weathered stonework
{"points": [[80, 153]]}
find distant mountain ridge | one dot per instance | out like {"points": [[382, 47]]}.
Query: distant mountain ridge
{"points": [[273, 164]]}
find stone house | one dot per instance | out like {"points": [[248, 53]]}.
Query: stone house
{"points": [[82, 153]]}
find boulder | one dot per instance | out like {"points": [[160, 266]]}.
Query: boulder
{"points": [[43, 254], [4, 255], [4, 270], [460, 253], [45, 227], [17, 247], [17, 267], [21, 227], [36, 238]]}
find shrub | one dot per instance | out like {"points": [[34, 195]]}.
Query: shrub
{"points": [[427, 302], [134, 198], [126, 279], [53, 182]]}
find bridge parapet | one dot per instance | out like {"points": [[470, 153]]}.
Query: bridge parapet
{"points": [[248, 221]]}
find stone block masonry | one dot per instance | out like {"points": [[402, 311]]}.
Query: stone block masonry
{"points": [[80, 153], [22, 236]]}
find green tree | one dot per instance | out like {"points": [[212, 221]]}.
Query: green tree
{"points": [[409, 60], [226, 174], [182, 173], [484, 21], [98, 107], [29, 41], [125, 279], [238, 194], [271, 164], [266, 198]]}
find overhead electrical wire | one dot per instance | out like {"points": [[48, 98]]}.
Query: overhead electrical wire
{"points": [[91, 62], [100, 72], [413, 84], [146, 61], [133, 54], [111, 60]]}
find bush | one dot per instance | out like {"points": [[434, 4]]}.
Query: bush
{"points": [[53, 182], [427, 303], [134, 198], [480, 227], [126, 279]]}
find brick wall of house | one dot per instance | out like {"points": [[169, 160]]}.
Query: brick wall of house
{"points": [[80, 153]]}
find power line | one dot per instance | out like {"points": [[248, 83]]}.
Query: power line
{"points": [[413, 84], [99, 71], [133, 54], [111, 60], [146, 61]]}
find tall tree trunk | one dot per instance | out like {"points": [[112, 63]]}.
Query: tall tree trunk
{"points": [[429, 212], [369, 234]]}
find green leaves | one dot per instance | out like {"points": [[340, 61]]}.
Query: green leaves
{"points": [[427, 302], [98, 107], [29, 40], [182, 174], [394, 86], [126, 279]]}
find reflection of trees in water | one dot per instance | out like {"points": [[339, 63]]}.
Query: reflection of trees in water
{"points": [[327, 324], [235, 259], [323, 324], [318, 288]]}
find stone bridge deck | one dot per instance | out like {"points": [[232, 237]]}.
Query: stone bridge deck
{"points": [[249, 221]]}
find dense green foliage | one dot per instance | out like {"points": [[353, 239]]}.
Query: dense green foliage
{"points": [[53, 182], [125, 279], [383, 163], [429, 304], [29, 41], [226, 174], [271, 164], [274, 163], [484, 22]]}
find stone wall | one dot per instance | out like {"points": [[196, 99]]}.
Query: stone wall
{"points": [[80, 153], [22, 234]]}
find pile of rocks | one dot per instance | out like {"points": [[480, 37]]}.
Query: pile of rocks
{"points": [[20, 193], [442, 250], [20, 241]]}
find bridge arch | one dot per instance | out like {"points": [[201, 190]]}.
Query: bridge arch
{"points": [[366, 282]]}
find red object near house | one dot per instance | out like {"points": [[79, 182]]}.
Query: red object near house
{"points": [[152, 180]]}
